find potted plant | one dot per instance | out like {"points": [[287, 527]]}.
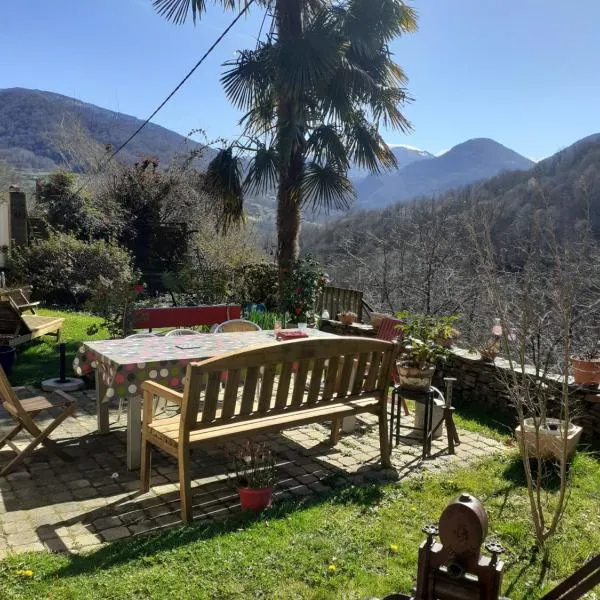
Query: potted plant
{"points": [[347, 317], [255, 474], [586, 366], [423, 347]]}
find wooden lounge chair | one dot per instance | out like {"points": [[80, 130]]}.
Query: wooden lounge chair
{"points": [[16, 328], [21, 297], [24, 412], [317, 393]]}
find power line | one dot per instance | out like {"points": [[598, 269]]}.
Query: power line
{"points": [[177, 88], [190, 73]]}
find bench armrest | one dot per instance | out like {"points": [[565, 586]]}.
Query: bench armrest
{"points": [[162, 391]]}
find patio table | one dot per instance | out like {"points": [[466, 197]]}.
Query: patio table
{"points": [[122, 366]]}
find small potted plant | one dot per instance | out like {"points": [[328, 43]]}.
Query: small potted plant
{"points": [[423, 347], [255, 474], [586, 366], [347, 317]]}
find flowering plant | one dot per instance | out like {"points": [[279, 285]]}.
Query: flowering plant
{"points": [[302, 289], [254, 466]]}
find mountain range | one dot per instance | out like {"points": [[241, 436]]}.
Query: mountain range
{"points": [[34, 126]]}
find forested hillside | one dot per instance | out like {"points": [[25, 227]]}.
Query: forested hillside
{"points": [[421, 256], [38, 130]]}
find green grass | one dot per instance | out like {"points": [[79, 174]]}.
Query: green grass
{"points": [[287, 553], [38, 360]]}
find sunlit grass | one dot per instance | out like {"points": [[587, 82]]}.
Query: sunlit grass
{"points": [[371, 535]]}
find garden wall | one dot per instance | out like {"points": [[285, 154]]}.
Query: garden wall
{"points": [[480, 383]]}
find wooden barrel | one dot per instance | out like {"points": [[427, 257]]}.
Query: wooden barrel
{"points": [[463, 525]]}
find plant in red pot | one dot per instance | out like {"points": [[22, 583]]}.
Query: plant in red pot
{"points": [[255, 473], [585, 365]]}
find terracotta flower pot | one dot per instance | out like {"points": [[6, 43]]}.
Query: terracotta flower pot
{"points": [[255, 499], [586, 372], [348, 318]]}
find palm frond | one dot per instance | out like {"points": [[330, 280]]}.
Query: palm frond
{"points": [[326, 146], [308, 62], [249, 80], [384, 104], [326, 187], [366, 147], [223, 180], [177, 11], [263, 172], [370, 25]]}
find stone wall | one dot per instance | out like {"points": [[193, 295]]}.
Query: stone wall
{"points": [[480, 383]]}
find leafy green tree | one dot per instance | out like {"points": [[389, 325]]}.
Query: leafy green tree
{"points": [[70, 209], [313, 95]]}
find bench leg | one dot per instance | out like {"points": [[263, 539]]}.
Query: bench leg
{"points": [[384, 443], [336, 425], [185, 484], [146, 467]]}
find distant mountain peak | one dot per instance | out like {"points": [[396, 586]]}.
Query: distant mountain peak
{"points": [[470, 161]]}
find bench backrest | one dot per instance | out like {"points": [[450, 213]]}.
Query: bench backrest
{"points": [[337, 300], [294, 376], [184, 316], [11, 321]]}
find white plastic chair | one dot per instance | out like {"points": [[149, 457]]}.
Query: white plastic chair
{"points": [[237, 325], [178, 332]]}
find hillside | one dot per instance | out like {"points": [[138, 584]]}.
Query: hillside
{"points": [[567, 183], [33, 123], [471, 161]]}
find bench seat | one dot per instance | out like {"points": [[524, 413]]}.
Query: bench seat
{"points": [[167, 430]]}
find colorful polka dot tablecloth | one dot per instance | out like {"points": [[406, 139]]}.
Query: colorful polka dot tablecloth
{"points": [[123, 365]]}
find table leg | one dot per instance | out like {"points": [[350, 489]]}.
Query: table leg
{"points": [[101, 406], [134, 432]]}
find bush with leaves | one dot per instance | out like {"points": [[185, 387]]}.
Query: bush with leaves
{"points": [[64, 270], [69, 209], [114, 300]]}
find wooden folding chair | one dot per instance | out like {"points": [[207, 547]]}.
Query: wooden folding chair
{"points": [[24, 412]]}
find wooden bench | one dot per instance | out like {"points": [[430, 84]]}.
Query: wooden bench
{"points": [[16, 328], [184, 316], [302, 381], [336, 300]]}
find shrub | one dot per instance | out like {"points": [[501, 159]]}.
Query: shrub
{"points": [[256, 283], [64, 270]]}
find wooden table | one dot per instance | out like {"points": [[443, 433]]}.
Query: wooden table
{"points": [[122, 365]]}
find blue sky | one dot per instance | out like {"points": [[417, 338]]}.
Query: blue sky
{"points": [[524, 72]]}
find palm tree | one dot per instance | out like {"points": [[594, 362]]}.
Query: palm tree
{"points": [[313, 96]]}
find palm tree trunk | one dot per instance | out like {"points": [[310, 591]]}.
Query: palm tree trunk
{"points": [[289, 27]]}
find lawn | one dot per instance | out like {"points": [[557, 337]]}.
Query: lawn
{"points": [[355, 544], [38, 360]]}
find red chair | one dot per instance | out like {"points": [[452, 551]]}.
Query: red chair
{"points": [[390, 331]]}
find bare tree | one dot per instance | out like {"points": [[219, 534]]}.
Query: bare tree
{"points": [[543, 298]]}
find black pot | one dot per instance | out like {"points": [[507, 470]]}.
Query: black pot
{"points": [[7, 358]]}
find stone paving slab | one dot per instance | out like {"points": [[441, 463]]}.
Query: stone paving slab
{"points": [[77, 506]]}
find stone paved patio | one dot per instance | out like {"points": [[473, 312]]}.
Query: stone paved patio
{"points": [[80, 505]]}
